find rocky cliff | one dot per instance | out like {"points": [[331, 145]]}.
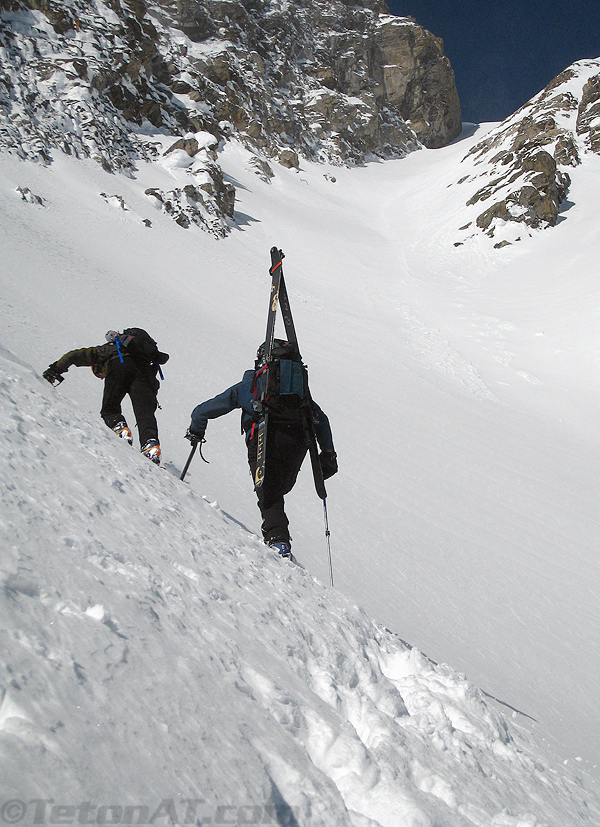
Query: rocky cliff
{"points": [[334, 80], [520, 170]]}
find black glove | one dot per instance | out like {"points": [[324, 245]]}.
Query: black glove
{"points": [[329, 466], [194, 437], [52, 375]]}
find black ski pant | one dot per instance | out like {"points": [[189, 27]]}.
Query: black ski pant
{"points": [[286, 449], [142, 386]]}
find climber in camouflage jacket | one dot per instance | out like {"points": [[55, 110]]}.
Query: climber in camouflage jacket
{"points": [[128, 363]]}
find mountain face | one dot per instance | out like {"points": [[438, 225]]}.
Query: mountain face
{"points": [[156, 656], [334, 81], [520, 172]]}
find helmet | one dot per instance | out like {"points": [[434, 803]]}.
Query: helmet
{"points": [[111, 335], [280, 349]]}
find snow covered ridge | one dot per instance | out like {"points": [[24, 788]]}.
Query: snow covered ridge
{"points": [[521, 166], [159, 665]]}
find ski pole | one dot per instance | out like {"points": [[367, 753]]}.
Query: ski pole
{"points": [[327, 537]]}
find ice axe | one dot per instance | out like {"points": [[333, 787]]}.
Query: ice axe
{"points": [[195, 444]]}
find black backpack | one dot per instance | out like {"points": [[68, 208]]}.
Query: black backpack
{"points": [[282, 382], [140, 345]]}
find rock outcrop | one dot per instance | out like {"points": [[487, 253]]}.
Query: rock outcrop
{"points": [[418, 80], [326, 80], [333, 79], [521, 167], [588, 113]]}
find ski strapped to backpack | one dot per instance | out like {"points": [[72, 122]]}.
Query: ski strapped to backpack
{"points": [[281, 381]]}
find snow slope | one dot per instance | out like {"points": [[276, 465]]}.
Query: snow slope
{"points": [[161, 666], [460, 383]]}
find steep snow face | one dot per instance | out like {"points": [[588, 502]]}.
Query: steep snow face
{"points": [[160, 665], [461, 383]]}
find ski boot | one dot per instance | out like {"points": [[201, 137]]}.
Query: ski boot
{"points": [[283, 549], [152, 450], [122, 429]]}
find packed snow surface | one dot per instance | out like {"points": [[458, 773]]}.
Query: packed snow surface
{"points": [[159, 664]]}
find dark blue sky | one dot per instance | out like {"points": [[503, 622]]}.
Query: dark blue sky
{"points": [[503, 53]]}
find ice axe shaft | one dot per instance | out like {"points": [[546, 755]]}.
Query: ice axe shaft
{"points": [[191, 457], [189, 460]]}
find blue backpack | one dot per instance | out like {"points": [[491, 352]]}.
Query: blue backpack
{"points": [[281, 384]]}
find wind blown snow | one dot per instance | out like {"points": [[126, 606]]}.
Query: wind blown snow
{"points": [[159, 664]]}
